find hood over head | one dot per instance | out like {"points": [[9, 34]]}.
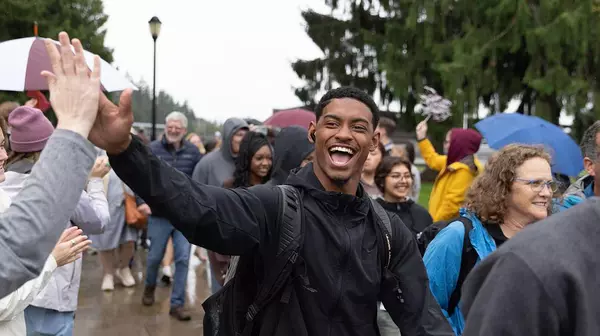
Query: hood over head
{"points": [[230, 126], [291, 147], [463, 142]]}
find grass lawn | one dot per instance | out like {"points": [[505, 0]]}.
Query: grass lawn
{"points": [[424, 194]]}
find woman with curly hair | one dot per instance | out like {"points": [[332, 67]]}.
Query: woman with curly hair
{"points": [[252, 166], [514, 190]]}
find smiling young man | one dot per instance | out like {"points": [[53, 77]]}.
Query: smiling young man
{"points": [[336, 290]]}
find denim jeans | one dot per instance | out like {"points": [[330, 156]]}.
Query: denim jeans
{"points": [[159, 231], [42, 322]]}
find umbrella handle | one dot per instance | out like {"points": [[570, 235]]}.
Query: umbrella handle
{"points": [[427, 118]]}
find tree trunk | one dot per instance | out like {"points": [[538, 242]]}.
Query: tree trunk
{"points": [[547, 107]]}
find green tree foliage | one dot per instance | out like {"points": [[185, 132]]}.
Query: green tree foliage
{"points": [[355, 43], [350, 53], [489, 52], [542, 51]]}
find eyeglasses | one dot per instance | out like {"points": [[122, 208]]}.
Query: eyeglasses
{"points": [[538, 185], [400, 177]]}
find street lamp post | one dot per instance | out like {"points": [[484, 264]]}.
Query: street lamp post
{"points": [[155, 31]]}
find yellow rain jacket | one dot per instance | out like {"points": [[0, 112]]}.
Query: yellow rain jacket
{"points": [[451, 184]]}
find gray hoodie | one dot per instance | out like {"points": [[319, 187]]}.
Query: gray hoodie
{"points": [[218, 166]]}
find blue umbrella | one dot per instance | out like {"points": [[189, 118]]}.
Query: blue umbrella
{"points": [[506, 128]]}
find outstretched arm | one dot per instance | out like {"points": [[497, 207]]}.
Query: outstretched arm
{"points": [[432, 159], [226, 221]]}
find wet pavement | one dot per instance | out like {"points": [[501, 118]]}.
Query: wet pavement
{"points": [[121, 312]]}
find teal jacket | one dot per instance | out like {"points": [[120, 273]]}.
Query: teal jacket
{"points": [[577, 192], [443, 257]]}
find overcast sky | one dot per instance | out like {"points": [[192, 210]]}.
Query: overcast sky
{"points": [[226, 58]]}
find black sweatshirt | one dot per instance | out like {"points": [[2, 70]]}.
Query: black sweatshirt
{"points": [[544, 281], [342, 279]]}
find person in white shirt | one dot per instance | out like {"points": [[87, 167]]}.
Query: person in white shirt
{"points": [[68, 249]]}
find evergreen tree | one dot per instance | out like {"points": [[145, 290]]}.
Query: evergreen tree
{"points": [[489, 52], [350, 52]]}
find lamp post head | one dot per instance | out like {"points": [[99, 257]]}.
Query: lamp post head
{"points": [[154, 27]]}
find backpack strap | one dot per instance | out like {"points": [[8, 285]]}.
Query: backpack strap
{"points": [[291, 234], [468, 259], [384, 219]]}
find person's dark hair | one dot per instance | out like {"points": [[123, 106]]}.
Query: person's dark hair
{"points": [[382, 150], [348, 92], [251, 143], [385, 167], [588, 141], [388, 125], [410, 151], [210, 145]]}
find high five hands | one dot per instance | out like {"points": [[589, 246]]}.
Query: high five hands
{"points": [[78, 102]]}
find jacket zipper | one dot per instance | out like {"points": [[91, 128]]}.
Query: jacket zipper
{"points": [[344, 270]]}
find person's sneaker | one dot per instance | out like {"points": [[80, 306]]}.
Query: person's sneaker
{"points": [[108, 283], [125, 277], [148, 298], [180, 314]]}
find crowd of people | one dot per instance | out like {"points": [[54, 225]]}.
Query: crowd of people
{"points": [[313, 230]]}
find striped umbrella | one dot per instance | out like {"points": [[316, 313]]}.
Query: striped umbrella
{"points": [[22, 61]]}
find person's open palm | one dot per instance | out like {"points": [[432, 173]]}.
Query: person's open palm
{"points": [[74, 90], [111, 130]]}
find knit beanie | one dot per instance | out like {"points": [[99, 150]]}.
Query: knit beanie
{"points": [[30, 129]]}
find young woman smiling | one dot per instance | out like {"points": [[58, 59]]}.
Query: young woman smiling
{"points": [[252, 167], [396, 182]]}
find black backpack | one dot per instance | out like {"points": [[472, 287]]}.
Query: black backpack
{"points": [[468, 260], [234, 309]]}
